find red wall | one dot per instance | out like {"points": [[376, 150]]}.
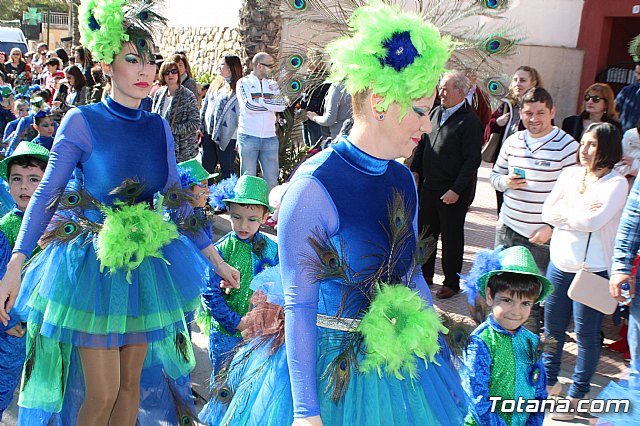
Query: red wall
{"points": [[605, 30]]}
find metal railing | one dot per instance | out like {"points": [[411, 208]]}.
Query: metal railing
{"points": [[57, 19]]}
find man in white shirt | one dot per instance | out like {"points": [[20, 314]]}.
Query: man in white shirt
{"points": [[259, 99], [526, 170]]}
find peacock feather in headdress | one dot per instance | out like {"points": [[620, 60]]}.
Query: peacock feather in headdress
{"points": [[377, 61]]}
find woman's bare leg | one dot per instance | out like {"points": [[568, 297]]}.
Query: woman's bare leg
{"points": [[101, 369], [126, 407]]}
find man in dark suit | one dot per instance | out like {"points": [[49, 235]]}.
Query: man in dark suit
{"points": [[446, 163]]}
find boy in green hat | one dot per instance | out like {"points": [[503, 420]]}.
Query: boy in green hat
{"points": [[23, 171], [502, 360], [247, 250]]}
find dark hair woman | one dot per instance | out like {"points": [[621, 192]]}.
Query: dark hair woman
{"points": [[78, 90], [179, 107], [584, 208], [85, 63], [219, 118], [64, 57]]}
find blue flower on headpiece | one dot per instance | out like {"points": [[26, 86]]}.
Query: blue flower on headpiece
{"points": [[93, 24], [186, 180], [400, 51]]}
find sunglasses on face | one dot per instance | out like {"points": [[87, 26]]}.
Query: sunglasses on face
{"points": [[594, 98], [268, 65], [172, 71]]}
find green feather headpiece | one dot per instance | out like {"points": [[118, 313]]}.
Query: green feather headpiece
{"points": [[394, 54], [105, 25]]}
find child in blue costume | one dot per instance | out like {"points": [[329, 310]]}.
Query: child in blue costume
{"points": [[22, 109], [113, 285], [348, 222], [195, 179], [247, 249], [24, 170], [44, 125], [24, 130], [503, 358]]}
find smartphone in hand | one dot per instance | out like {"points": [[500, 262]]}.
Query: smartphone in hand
{"points": [[520, 172]]}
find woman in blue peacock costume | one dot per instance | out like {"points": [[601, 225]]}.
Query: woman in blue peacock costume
{"points": [[110, 291], [362, 344]]}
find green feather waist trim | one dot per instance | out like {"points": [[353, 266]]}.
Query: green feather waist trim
{"points": [[131, 233], [397, 328]]}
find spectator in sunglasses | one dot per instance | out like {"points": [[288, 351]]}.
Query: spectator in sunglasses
{"points": [[179, 107], [599, 107]]}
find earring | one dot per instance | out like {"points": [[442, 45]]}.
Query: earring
{"points": [[381, 117]]}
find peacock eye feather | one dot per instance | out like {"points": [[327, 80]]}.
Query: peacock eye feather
{"points": [[69, 228], [298, 5], [295, 86], [497, 45], [295, 61]]}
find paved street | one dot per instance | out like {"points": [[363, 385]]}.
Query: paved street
{"points": [[479, 234]]}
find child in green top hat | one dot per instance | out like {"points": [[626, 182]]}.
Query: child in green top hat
{"points": [[247, 250], [23, 171], [502, 360]]}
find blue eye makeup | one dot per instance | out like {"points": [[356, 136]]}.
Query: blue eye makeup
{"points": [[420, 111]]}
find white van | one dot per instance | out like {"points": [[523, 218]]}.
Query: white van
{"points": [[12, 37]]}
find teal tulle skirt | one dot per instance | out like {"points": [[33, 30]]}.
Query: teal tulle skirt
{"points": [[71, 302], [258, 391]]}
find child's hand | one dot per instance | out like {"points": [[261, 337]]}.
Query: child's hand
{"points": [[226, 286], [17, 331]]}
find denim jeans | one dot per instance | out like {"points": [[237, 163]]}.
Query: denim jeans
{"points": [[212, 155], [587, 323], [633, 336], [252, 150]]}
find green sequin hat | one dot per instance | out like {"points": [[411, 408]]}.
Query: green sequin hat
{"points": [[517, 259], [23, 149], [196, 172], [251, 190]]}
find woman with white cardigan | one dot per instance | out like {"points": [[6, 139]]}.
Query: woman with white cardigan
{"points": [[584, 208]]}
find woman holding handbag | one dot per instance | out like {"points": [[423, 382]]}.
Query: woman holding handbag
{"points": [[179, 107], [584, 208]]}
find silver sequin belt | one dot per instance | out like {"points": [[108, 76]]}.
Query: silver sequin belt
{"points": [[337, 323]]}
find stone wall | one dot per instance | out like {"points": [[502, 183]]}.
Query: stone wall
{"points": [[204, 46]]}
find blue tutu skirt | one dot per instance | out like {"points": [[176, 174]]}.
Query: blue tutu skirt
{"points": [[621, 391], [73, 303], [258, 392]]}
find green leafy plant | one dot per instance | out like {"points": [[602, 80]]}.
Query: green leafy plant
{"points": [[203, 77]]}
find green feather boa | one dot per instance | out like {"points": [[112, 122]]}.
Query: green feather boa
{"points": [[131, 233], [397, 328]]}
